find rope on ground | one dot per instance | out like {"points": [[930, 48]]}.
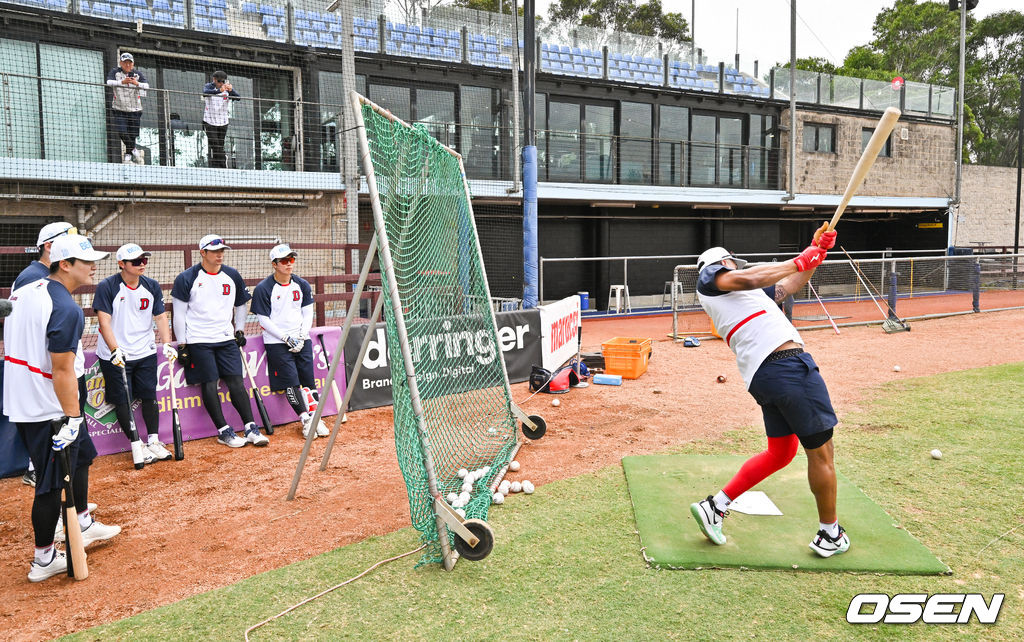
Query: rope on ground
{"points": [[1000, 537], [325, 592]]}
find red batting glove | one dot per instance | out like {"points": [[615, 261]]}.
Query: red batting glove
{"points": [[810, 258], [827, 240]]}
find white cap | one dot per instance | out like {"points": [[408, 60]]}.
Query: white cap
{"points": [[281, 251], [51, 231], [74, 246], [717, 255], [130, 251], [127, 56], [213, 242]]}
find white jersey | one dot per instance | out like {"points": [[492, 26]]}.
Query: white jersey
{"points": [[131, 313], [282, 304], [32, 273], [749, 321], [45, 319], [211, 299]]}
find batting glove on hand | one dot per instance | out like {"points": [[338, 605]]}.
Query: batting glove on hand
{"points": [[294, 345], [824, 238], [169, 352], [810, 258], [117, 357], [240, 338], [184, 357], [68, 433]]}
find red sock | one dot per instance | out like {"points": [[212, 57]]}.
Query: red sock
{"points": [[780, 452]]}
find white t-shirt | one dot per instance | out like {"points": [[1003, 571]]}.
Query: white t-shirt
{"points": [[45, 319], [211, 299], [749, 321], [282, 304], [131, 313]]}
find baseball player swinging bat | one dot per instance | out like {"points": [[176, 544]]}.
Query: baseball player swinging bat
{"points": [[179, 446], [264, 417], [136, 442], [78, 568], [885, 126]]}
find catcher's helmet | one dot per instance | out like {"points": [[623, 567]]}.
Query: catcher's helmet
{"points": [[717, 255]]}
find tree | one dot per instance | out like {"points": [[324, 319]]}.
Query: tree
{"points": [[995, 96], [494, 6], [624, 16]]}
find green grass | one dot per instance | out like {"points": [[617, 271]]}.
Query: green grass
{"points": [[567, 565]]}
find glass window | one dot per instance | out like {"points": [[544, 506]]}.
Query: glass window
{"points": [[478, 131], [396, 99], [702, 149], [73, 114], [436, 109], [20, 96], [599, 128], [540, 106], [865, 137], [730, 151], [564, 143], [636, 146], [331, 107], [673, 133], [819, 138]]}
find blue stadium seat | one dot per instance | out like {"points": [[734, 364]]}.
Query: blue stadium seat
{"points": [[217, 12], [491, 48], [451, 53], [201, 3], [422, 50], [120, 12], [143, 14], [57, 5], [266, 9], [455, 42], [359, 43], [335, 27], [275, 33], [428, 31], [397, 36], [476, 58], [436, 52], [302, 24], [162, 5], [319, 25], [413, 29], [325, 38], [269, 20], [163, 17], [299, 14], [202, 24], [200, 10], [407, 49], [247, 7], [138, 4], [309, 37], [358, 21], [391, 48]]}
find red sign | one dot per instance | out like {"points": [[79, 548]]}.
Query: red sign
{"points": [[897, 83]]}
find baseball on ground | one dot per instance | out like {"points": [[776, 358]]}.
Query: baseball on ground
{"points": [[513, 465], [498, 498], [556, 402], [515, 487], [896, 368], [528, 487], [936, 454]]}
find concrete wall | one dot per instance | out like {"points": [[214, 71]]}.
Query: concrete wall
{"points": [[989, 207], [921, 165]]}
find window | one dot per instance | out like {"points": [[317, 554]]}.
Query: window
{"points": [[636, 146], [673, 132], [819, 138], [478, 131], [865, 136]]}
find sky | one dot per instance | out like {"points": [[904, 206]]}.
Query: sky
{"points": [[825, 28]]}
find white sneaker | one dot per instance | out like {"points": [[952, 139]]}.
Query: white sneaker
{"points": [[58, 533], [138, 156], [39, 572], [98, 532], [304, 420], [254, 436], [128, 159], [826, 546], [228, 437], [322, 430], [709, 519], [158, 451]]}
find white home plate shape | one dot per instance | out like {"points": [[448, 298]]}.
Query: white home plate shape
{"points": [[754, 502]]}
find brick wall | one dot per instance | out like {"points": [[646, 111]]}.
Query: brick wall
{"points": [[921, 165], [989, 208]]}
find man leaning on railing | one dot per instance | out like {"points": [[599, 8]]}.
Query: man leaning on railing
{"points": [[126, 108], [217, 95]]}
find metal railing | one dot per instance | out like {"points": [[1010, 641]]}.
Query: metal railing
{"points": [[921, 99]]}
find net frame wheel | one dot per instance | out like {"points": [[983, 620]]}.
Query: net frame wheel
{"points": [[483, 532], [542, 427]]}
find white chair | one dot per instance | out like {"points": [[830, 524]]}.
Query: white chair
{"points": [[666, 293], [621, 294]]}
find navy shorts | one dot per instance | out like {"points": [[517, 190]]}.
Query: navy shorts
{"points": [[49, 470], [287, 369], [141, 379], [793, 397], [212, 361]]}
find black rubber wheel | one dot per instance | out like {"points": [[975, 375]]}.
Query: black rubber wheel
{"points": [[482, 530], [542, 427]]}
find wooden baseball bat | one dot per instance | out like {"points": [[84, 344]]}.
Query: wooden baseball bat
{"points": [[867, 159], [179, 446], [78, 568], [264, 417]]}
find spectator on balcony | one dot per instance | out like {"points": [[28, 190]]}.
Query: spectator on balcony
{"points": [[217, 95], [126, 109]]}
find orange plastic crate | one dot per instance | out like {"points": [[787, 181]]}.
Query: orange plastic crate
{"points": [[626, 356]]}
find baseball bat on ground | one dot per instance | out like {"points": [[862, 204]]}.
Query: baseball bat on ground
{"points": [[867, 159], [179, 446], [264, 417], [77, 566], [137, 446]]}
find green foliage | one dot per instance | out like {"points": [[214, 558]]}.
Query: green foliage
{"points": [[567, 563], [494, 6], [648, 19]]}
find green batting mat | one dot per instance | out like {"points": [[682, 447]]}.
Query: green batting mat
{"points": [[662, 487]]}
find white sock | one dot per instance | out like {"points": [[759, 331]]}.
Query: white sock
{"points": [[722, 501], [154, 439], [44, 555], [30, 466], [84, 520], [832, 529]]}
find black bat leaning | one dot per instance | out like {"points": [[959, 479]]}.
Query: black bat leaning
{"points": [[264, 417], [179, 446]]}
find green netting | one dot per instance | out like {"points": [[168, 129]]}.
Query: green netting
{"points": [[450, 330]]}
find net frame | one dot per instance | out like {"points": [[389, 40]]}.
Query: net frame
{"points": [[445, 519]]}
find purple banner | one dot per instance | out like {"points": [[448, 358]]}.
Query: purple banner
{"points": [[195, 422]]}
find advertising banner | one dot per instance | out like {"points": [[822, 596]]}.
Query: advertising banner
{"points": [[559, 322], [518, 335]]}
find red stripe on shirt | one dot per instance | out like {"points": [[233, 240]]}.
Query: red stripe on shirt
{"points": [[31, 368], [740, 324]]}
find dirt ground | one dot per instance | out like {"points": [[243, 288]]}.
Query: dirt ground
{"points": [[221, 515]]}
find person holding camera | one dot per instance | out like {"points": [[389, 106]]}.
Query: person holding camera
{"points": [[209, 322], [217, 96]]}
